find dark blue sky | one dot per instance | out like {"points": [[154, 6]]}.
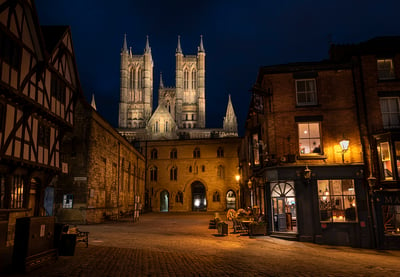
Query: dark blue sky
{"points": [[239, 37]]}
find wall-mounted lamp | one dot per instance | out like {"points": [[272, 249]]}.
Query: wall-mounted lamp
{"points": [[371, 181], [237, 177], [249, 183], [344, 144], [307, 173]]}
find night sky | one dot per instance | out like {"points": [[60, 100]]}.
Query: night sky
{"points": [[239, 37]]}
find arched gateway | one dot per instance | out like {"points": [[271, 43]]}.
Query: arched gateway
{"points": [[164, 201], [199, 201]]}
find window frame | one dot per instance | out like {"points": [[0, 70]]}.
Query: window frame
{"points": [[382, 72], [311, 94], [220, 152], [153, 154], [173, 174], [389, 115], [311, 151], [173, 154], [66, 200], [196, 153], [153, 174]]}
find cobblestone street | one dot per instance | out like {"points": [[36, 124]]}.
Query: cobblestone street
{"points": [[182, 245]]}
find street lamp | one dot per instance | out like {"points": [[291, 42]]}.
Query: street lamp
{"points": [[344, 144]]}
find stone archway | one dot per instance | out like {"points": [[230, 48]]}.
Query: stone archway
{"points": [[230, 200], [199, 199], [164, 201]]}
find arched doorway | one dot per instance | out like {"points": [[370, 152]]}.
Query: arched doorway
{"points": [[164, 201], [199, 201], [230, 200], [284, 207]]}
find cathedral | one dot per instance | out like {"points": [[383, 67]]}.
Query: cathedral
{"points": [[181, 110]]}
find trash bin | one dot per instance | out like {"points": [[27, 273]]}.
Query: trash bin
{"points": [[67, 245], [222, 228]]}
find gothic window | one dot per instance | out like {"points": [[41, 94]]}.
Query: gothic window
{"points": [[196, 153], [139, 78], [216, 197], [17, 192], [185, 79], [153, 174], [154, 154], [203, 168], [220, 152], [220, 172], [173, 174], [173, 154], [179, 197], [132, 78], [58, 88], [166, 126], [156, 127], [194, 79], [190, 169]]}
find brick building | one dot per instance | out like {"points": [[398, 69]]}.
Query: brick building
{"points": [[306, 186], [105, 175], [192, 175], [376, 67]]}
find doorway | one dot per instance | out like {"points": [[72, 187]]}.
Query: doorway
{"points": [[283, 200], [164, 201], [199, 201]]}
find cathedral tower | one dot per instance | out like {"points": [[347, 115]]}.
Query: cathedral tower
{"points": [[136, 87], [190, 88]]}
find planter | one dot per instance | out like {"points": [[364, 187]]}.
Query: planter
{"points": [[257, 229]]}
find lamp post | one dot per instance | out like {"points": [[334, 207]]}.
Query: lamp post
{"points": [[344, 144], [237, 177]]}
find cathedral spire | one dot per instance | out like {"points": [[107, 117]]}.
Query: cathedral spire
{"points": [[178, 48], [230, 121], [201, 47], [93, 103], [147, 49], [125, 45], [130, 51], [161, 81]]}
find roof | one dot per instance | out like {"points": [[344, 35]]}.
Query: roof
{"points": [[52, 35]]}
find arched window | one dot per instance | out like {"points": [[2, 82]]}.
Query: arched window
{"points": [[196, 153], [153, 174], [216, 197], [190, 169], [186, 79], [173, 174], [179, 197], [194, 79], [154, 154], [166, 126], [203, 168], [156, 127], [220, 172], [132, 78], [139, 78], [220, 152], [173, 154]]}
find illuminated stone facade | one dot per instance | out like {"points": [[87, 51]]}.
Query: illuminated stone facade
{"points": [[181, 111], [192, 175]]}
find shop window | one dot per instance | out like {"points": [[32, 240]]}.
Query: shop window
{"points": [[196, 153], [153, 174], [390, 109], [173, 174], [154, 154], [385, 69], [306, 92], [68, 200], [179, 197], [391, 219], [173, 154], [337, 200], [220, 152], [385, 161], [216, 197], [309, 138]]}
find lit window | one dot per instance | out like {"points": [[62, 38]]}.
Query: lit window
{"points": [[385, 160], [337, 200], [68, 201], [306, 92], [390, 109], [255, 151], [385, 69], [309, 138], [391, 222]]}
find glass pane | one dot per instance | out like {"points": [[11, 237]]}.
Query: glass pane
{"points": [[348, 187], [301, 98], [304, 146], [316, 146], [303, 130], [336, 187], [323, 187], [314, 130], [397, 146], [311, 85], [300, 86], [391, 219], [384, 105]]}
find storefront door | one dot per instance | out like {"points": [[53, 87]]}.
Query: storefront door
{"points": [[283, 207]]}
